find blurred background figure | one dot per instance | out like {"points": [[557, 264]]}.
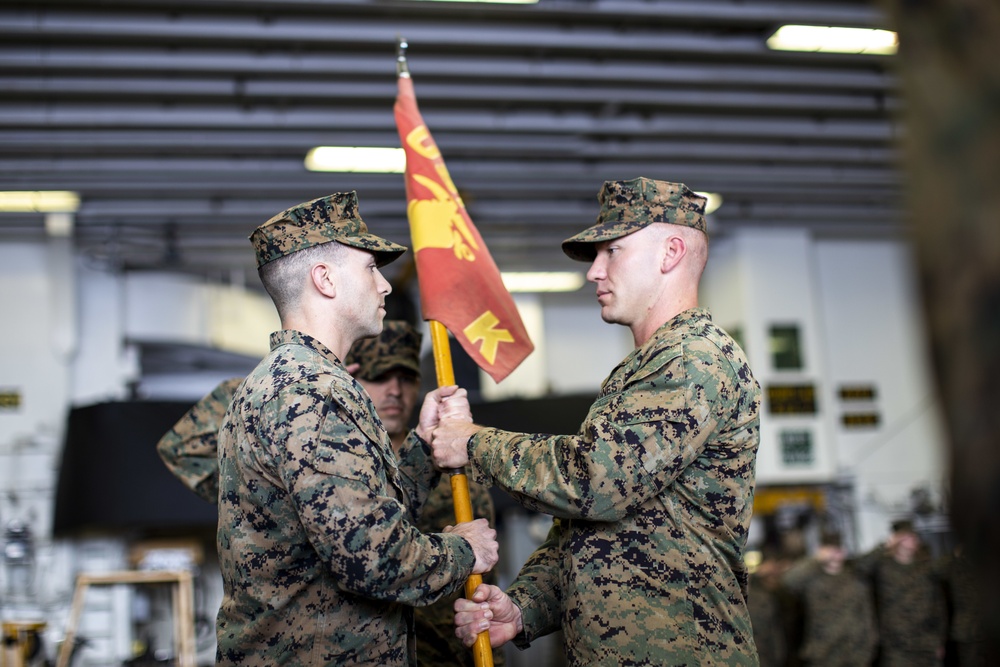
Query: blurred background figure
{"points": [[908, 600], [837, 608], [769, 612]]}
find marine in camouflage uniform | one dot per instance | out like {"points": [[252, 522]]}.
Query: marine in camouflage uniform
{"points": [[318, 550], [190, 451], [909, 603], [653, 496], [838, 610]]}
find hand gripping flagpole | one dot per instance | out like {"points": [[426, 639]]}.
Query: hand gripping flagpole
{"points": [[482, 654]]}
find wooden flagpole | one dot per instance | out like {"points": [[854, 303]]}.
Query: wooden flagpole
{"points": [[481, 651]]}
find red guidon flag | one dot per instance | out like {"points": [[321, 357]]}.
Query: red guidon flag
{"points": [[460, 285]]}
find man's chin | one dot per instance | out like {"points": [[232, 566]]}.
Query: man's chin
{"points": [[375, 329], [609, 317]]}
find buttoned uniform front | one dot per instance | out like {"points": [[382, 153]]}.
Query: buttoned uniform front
{"points": [[652, 502], [318, 550]]}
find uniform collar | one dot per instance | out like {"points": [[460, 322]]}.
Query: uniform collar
{"points": [[685, 318], [293, 337]]}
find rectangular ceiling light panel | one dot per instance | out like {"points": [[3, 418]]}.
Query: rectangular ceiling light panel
{"points": [[826, 39]]}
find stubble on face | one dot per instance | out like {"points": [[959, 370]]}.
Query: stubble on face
{"points": [[619, 272], [365, 290], [394, 395]]}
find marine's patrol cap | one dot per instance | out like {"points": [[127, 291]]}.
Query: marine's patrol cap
{"points": [[628, 206], [331, 218], [902, 526], [398, 346], [830, 538]]}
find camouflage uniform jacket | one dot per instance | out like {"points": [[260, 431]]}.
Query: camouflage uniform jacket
{"points": [[318, 552], [839, 616], [909, 603], [652, 499], [190, 449]]}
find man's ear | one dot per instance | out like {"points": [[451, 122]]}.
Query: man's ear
{"points": [[323, 279], [674, 249]]}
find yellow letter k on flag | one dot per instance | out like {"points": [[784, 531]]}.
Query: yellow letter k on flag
{"points": [[483, 329]]}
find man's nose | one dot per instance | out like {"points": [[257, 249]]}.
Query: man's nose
{"points": [[385, 287], [596, 270]]}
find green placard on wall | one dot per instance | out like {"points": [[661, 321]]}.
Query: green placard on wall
{"points": [[797, 448], [786, 347]]}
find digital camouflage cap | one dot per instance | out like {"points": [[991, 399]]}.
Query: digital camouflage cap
{"points": [[331, 218], [628, 206], [903, 526], [398, 346]]}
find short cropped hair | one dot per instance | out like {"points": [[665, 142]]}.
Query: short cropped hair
{"points": [[285, 277]]}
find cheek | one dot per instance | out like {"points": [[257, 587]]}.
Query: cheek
{"points": [[411, 394], [377, 394]]}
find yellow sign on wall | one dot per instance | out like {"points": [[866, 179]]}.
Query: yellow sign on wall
{"points": [[767, 500], [10, 399], [791, 399]]}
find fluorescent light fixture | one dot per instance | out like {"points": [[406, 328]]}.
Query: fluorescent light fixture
{"points": [[543, 281], [817, 38], [714, 201], [366, 159], [39, 201]]}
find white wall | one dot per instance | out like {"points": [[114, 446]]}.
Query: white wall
{"points": [[856, 306], [582, 348], [36, 347], [763, 278], [875, 337], [103, 365]]}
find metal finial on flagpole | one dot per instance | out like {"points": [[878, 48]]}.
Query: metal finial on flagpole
{"points": [[401, 68]]}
